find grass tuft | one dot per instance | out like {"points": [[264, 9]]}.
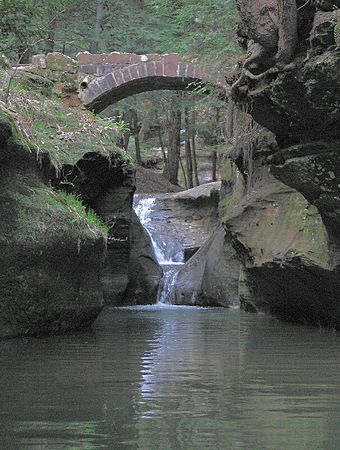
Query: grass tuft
{"points": [[80, 214], [65, 133]]}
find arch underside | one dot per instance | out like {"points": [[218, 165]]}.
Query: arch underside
{"points": [[137, 86]]}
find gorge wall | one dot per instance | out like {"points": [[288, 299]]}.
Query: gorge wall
{"points": [[50, 258], [60, 264], [286, 235]]}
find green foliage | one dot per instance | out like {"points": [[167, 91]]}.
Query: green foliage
{"points": [[202, 30], [80, 215], [67, 134], [160, 26], [205, 29]]}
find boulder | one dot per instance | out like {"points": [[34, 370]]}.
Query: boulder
{"points": [[186, 219], [145, 273], [210, 277]]}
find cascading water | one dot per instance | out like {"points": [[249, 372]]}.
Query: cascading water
{"points": [[169, 253]]}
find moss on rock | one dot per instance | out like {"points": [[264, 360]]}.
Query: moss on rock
{"points": [[50, 252]]}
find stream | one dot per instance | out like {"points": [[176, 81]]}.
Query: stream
{"points": [[166, 377], [168, 251]]}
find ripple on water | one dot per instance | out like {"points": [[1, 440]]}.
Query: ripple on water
{"points": [[173, 377]]}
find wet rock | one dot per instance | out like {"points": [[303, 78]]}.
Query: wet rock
{"points": [[187, 218], [189, 252], [144, 272], [210, 277], [289, 268]]}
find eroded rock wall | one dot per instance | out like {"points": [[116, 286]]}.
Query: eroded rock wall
{"points": [[287, 235], [50, 258], [299, 103], [106, 185], [144, 272]]}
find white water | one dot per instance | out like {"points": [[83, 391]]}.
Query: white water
{"points": [[169, 255]]}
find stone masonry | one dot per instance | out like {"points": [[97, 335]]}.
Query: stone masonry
{"points": [[104, 79], [107, 78]]}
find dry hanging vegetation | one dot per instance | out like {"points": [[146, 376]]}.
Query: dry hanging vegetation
{"points": [[65, 133]]}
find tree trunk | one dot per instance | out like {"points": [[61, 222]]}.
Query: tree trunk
{"points": [[183, 172], [193, 148], [174, 140], [131, 118], [214, 165], [94, 47], [188, 156], [218, 140], [138, 152], [160, 137]]}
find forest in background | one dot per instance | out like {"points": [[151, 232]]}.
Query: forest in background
{"points": [[163, 120]]}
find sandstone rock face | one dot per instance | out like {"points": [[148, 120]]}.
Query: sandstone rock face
{"points": [[187, 218], [305, 102], [50, 263], [259, 21], [288, 270], [289, 243], [107, 186], [314, 170], [210, 277], [299, 103], [144, 272]]}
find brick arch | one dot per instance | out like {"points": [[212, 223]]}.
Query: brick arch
{"points": [[108, 78]]}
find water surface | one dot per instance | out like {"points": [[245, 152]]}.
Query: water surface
{"points": [[164, 378]]}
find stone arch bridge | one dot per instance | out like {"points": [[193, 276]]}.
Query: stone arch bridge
{"points": [[108, 78]]}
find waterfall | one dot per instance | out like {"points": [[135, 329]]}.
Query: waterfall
{"points": [[169, 254]]}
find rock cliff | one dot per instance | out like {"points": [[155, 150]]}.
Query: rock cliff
{"points": [[287, 235], [50, 252], [66, 233]]}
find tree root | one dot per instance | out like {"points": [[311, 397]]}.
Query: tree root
{"points": [[246, 73]]}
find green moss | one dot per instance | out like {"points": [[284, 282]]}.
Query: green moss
{"points": [[284, 226], [232, 177], [65, 133], [80, 214], [40, 210], [18, 137]]}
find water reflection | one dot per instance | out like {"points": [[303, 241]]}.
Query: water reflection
{"points": [[173, 378]]}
